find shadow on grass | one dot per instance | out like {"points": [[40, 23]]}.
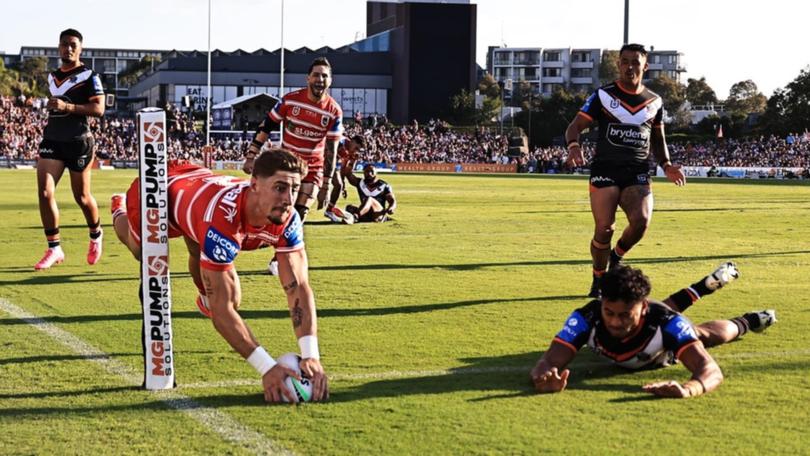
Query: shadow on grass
{"points": [[491, 376], [583, 261], [281, 314], [60, 358], [499, 377]]}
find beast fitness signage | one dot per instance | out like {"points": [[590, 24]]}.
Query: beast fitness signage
{"points": [[155, 277]]}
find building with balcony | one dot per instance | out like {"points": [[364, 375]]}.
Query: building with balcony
{"points": [[577, 70]]}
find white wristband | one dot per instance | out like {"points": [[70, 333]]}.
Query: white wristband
{"points": [[261, 361], [309, 347]]}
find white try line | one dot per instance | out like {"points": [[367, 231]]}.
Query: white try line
{"points": [[393, 375], [211, 418]]}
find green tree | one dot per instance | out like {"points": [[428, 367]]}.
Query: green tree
{"points": [[489, 87], [788, 109], [521, 93], [550, 116], [671, 91], [698, 92], [132, 73], [744, 98], [463, 110], [609, 67], [9, 81], [34, 72]]}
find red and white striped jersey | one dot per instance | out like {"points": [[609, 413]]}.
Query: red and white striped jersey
{"points": [[210, 210], [308, 125]]}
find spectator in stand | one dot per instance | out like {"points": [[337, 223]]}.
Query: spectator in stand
{"points": [[22, 125]]}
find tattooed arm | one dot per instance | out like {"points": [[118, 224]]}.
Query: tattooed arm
{"points": [[294, 276], [222, 289], [224, 294], [292, 271]]}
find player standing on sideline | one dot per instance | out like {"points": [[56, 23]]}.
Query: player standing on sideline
{"points": [[218, 216], [377, 199], [76, 94], [635, 332], [630, 126], [313, 125], [348, 153]]}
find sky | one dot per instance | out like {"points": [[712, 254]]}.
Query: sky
{"points": [[724, 41]]}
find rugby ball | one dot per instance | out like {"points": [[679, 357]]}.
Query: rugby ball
{"points": [[300, 389]]}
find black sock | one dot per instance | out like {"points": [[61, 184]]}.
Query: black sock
{"points": [[615, 258], [95, 230], [745, 323], [701, 288], [52, 236]]}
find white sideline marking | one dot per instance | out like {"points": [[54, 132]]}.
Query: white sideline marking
{"points": [[392, 375], [211, 418]]}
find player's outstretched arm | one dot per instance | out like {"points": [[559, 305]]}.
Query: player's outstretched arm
{"points": [[550, 375], [224, 295], [294, 276], [706, 375]]}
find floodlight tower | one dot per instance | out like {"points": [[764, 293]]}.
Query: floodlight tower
{"points": [[626, 21]]}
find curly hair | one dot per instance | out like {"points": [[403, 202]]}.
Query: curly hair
{"points": [[624, 283]]}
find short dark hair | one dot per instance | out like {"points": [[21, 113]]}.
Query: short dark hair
{"points": [[71, 32], [624, 283], [634, 47], [360, 140], [319, 61], [277, 159]]}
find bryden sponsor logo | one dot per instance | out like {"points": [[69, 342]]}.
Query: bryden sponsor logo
{"points": [[627, 135]]}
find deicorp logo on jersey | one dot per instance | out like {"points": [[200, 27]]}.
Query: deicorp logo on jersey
{"points": [[155, 277]]}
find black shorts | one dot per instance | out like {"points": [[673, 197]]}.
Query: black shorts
{"points": [[76, 154], [605, 175]]}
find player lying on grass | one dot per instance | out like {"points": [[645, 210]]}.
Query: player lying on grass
{"points": [[635, 332], [218, 216]]}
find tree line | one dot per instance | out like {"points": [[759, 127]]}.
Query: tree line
{"points": [[746, 110]]}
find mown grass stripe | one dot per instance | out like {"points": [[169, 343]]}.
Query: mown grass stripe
{"points": [[213, 419]]}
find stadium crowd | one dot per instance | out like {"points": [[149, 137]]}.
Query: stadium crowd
{"points": [[22, 120]]}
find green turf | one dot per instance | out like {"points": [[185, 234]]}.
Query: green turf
{"points": [[428, 325]]}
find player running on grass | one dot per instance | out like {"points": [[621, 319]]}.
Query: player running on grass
{"points": [[630, 128], [218, 216], [313, 125], [76, 95], [635, 332]]}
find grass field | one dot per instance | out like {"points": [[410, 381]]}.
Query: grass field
{"points": [[428, 327]]}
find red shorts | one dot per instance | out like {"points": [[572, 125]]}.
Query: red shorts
{"points": [[314, 175]]}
